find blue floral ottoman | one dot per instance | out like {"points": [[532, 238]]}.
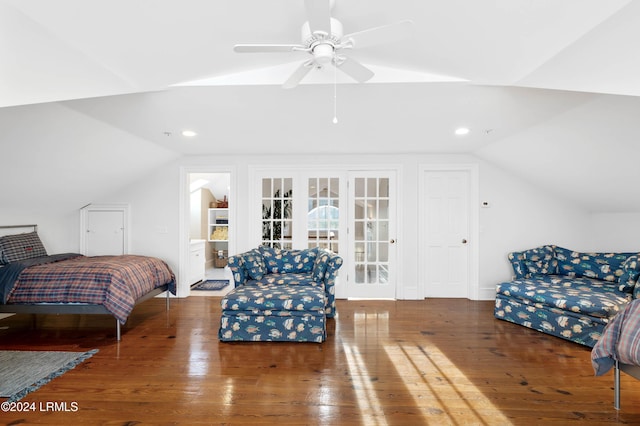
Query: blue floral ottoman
{"points": [[274, 313]]}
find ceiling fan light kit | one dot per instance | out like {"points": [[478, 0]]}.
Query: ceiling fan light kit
{"points": [[323, 39]]}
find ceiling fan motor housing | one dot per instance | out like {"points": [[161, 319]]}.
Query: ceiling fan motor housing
{"points": [[322, 45]]}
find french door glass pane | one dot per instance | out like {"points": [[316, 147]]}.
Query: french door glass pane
{"points": [[371, 230], [277, 212], [323, 213]]}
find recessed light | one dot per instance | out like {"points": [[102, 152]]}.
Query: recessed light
{"points": [[188, 133], [461, 131]]}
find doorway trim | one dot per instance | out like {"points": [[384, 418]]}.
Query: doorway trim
{"points": [[473, 290], [183, 285]]}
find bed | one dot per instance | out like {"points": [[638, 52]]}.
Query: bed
{"points": [[34, 282], [619, 347]]}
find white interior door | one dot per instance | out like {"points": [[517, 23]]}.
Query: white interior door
{"points": [[105, 232], [446, 233], [372, 234]]}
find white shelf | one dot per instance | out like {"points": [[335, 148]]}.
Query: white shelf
{"points": [[216, 214]]}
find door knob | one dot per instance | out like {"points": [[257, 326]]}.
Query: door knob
{"points": [[464, 241], [392, 241]]}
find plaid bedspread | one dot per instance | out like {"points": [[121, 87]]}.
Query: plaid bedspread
{"points": [[620, 340], [115, 282]]}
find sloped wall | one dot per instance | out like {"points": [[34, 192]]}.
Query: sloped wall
{"points": [[614, 232], [522, 216]]}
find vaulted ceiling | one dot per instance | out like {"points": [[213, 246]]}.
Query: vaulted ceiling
{"points": [[550, 89]]}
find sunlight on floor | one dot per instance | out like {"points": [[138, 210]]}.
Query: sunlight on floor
{"points": [[440, 389], [368, 402], [374, 326]]}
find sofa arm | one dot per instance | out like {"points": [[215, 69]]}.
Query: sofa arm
{"points": [[237, 265], [334, 262]]}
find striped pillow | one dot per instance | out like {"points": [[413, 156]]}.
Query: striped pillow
{"points": [[14, 248]]}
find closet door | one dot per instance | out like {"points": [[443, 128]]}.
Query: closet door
{"points": [[103, 230], [446, 233]]}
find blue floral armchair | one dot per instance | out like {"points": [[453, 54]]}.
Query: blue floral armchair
{"points": [[308, 267]]}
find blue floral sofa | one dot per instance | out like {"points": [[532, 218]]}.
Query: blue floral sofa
{"points": [[280, 295], [567, 294]]}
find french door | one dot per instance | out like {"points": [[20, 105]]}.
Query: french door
{"points": [[277, 201], [349, 213], [372, 235], [325, 212]]}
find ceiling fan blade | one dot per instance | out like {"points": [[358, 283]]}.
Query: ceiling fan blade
{"points": [[298, 75], [356, 70], [319, 15], [383, 34], [259, 48]]}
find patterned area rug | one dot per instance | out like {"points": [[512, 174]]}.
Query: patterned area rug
{"points": [[210, 285], [23, 372]]}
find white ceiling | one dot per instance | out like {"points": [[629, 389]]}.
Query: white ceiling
{"points": [[544, 85]]}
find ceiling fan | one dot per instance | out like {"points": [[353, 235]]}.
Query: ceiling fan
{"points": [[324, 41]]}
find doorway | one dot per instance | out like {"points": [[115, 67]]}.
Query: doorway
{"points": [[210, 230]]}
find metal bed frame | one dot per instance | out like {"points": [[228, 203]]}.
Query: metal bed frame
{"points": [[632, 370], [72, 308]]}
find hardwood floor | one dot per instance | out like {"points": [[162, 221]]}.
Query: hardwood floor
{"points": [[437, 361]]}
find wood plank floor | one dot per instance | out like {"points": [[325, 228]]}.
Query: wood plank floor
{"points": [[437, 361]]}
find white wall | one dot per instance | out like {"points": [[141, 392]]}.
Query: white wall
{"points": [[520, 215], [154, 214], [614, 232], [59, 230]]}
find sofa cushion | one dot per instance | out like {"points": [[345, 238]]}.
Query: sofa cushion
{"points": [[254, 263], [540, 261], [289, 278], [517, 263], [603, 266], [279, 261], [303, 260], [274, 299], [576, 296], [630, 274]]}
